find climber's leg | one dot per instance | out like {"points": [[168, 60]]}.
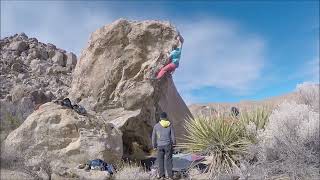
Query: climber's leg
{"points": [[168, 68]]}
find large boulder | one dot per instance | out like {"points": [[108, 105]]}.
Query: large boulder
{"points": [[110, 79], [54, 133]]}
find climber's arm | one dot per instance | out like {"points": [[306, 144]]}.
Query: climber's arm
{"points": [[169, 59], [181, 40]]}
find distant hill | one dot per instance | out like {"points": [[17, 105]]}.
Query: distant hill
{"points": [[207, 108]]}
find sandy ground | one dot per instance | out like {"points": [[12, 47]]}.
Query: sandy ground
{"points": [[14, 175]]}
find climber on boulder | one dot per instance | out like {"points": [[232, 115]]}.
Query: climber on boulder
{"points": [[174, 58]]}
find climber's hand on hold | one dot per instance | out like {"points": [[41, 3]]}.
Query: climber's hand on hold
{"points": [[181, 39]]}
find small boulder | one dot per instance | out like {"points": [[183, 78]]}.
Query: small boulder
{"points": [[33, 54], [40, 69], [24, 54], [19, 91], [51, 46], [18, 46], [32, 45], [43, 53], [49, 94], [23, 36], [34, 64], [49, 70], [17, 67], [33, 40], [58, 58], [8, 97], [60, 70], [51, 53], [22, 76], [39, 97], [71, 59]]}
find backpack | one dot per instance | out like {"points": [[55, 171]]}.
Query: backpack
{"points": [[66, 102], [98, 164], [79, 109]]}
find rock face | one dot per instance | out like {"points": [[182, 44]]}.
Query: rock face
{"points": [[110, 78], [110, 82], [30, 75], [56, 133], [171, 102]]}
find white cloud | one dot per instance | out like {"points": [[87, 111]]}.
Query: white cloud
{"points": [[51, 22], [219, 54]]}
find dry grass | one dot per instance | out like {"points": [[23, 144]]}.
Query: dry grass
{"points": [[133, 172], [15, 163]]}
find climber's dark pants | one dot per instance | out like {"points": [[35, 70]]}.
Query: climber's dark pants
{"points": [[165, 155]]}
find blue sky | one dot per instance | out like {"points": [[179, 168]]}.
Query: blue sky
{"points": [[247, 50]]}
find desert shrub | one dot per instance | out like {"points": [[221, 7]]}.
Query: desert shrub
{"points": [[259, 117], [131, 171], [16, 162], [220, 138], [289, 146], [12, 115], [254, 121], [8, 123], [308, 93]]}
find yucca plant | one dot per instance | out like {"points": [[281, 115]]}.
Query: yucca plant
{"points": [[259, 117], [223, 140]]}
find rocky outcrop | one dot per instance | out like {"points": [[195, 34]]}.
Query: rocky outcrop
{"points": [[54, 132], [31, 73], [110, 78], [110, 81]]}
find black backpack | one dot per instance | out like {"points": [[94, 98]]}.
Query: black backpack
{"points": [[79, 109], [66, 102]]}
